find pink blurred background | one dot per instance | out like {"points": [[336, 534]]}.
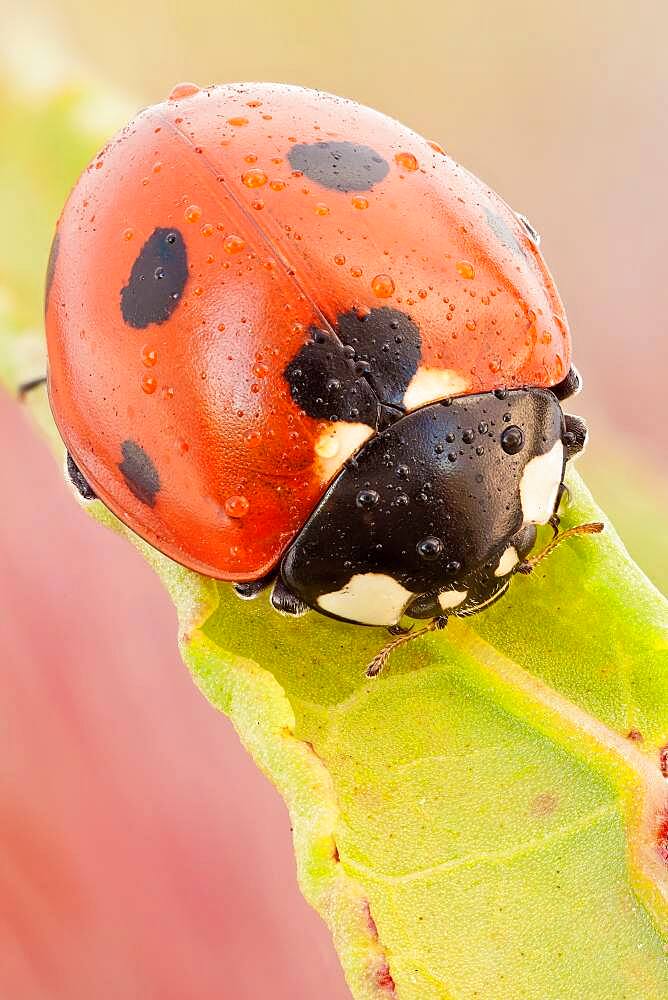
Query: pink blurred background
{"points": [[142, 854]]}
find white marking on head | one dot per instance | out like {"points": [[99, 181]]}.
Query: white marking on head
{"points": [[540, 484], [368, 598], [509, 559], [428, 385], [336, 444], [451, 598]]}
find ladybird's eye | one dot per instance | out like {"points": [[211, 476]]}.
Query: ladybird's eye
{"points": [[532, 233]]}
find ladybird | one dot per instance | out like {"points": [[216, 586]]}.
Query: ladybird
{"points": [[292, 343]]}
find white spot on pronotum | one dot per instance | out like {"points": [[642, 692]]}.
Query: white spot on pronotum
{"points": [[368, 598], [508, 560], [336, 444], [540, 484], [451, 598], [428, 385]]}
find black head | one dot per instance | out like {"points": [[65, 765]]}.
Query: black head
{"points": [[433, 514]]}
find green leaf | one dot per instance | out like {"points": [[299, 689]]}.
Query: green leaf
{"points": [[488, 817]]}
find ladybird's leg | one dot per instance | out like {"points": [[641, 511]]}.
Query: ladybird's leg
{"points": [[555, 520], [249, 591], [33, 383], [569, 386], [399, 629], [575, 437], [286, 602], [380, 659], [78, 480]]}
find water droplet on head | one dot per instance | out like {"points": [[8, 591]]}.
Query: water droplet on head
{"points": [[366, 499], [359, 202], [429, 548], [512, 440], [320, 208], [149, 384]]}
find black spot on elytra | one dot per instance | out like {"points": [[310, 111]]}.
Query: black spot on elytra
{"points": [[78, 480], [51, 268], [341, 166], [139, 472], [156, 281], [388, 341], [325, 383], [361, 375]]}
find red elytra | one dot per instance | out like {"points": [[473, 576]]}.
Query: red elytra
{"points": [[277, 210]]}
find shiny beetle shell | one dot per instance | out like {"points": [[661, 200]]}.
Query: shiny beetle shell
{"points": [[251, 280]]}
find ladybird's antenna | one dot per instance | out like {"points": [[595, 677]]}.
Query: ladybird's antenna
{"points": [[528, 565], [381, 658]]}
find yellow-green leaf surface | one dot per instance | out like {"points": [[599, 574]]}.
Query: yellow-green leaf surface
{"points": [[487, 818]]}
